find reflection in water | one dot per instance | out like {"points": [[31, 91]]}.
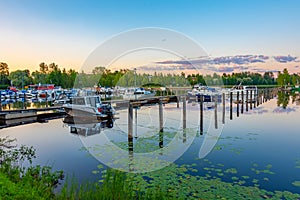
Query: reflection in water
{"points": [[284, 98], [86, 128], [21, 103], [295, 98]]}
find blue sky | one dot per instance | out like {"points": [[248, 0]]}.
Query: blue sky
{"points": [[67, 31]]}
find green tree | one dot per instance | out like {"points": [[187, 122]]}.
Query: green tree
{"points": [[43, 68], [20, 78], [295, 79], [55, 76], [4, 73], [38, 77], [283, 78]]}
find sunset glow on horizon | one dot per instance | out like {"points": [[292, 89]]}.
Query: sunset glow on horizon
{"points": [[67, 32]]}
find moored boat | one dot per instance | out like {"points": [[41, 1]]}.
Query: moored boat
{"points": [[137, 93], [251, 90], [89, 107]]}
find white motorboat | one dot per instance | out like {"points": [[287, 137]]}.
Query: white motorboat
{"points": [[89, 106], [137, 93], [208, 93], [251, 90]]}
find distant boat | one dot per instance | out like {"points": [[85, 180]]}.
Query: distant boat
{"points": [[137, 93], [251, 89], [89, 106], [208, 93]]}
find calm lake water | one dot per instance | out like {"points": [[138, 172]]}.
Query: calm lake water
{"points": [[259, 148]]}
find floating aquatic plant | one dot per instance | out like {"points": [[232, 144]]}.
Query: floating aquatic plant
{"points": [[296, 183]]}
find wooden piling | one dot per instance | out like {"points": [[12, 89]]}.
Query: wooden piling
{"points": [[257, 99], [161, 120], [136, 122], [184, 111], [242, 107], [130, 154], [230, 105], [223, 115], [201, 114], [177, 100], [238, 104], [250, 99], [161, 140], [254, 99], [247, 93], [216, 111], [130, 120]]}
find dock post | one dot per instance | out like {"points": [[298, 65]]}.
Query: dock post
{"points": [[201, 114], [177, 101], [254, 99], [130, 154], [184, 111], [0, 105], [238, 104], [247, 100], [271, 94], [136, 121], [230, 105], [130, 121], [216, 111], [242, 108], [161, 140], [223, 100], [161, 124], [257, 98], [251, 100]]}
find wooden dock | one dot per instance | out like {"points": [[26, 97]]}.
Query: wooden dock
{"points": [[23, 116], [10, 118]]}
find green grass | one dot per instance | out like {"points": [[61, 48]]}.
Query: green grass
{"points": [[23, 189]]}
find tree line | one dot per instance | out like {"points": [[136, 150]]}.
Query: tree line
{"points": [[101, 76], [47, 74]]}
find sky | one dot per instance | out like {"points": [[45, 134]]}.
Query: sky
{"points": [[68, 31]]}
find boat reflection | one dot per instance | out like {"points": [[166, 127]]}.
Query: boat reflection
{"points": [[86, 128]]}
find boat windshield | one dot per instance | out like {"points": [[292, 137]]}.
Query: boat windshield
{"points": [[93, 101], [79, 101]]}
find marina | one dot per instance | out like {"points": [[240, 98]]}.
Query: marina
{"points": [[150, 100], [232, 139]]}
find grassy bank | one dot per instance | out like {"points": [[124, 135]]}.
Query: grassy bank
{"points": [[20, 182]]}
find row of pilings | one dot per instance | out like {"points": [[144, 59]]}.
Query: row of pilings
{"points": [[244, 101]]}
